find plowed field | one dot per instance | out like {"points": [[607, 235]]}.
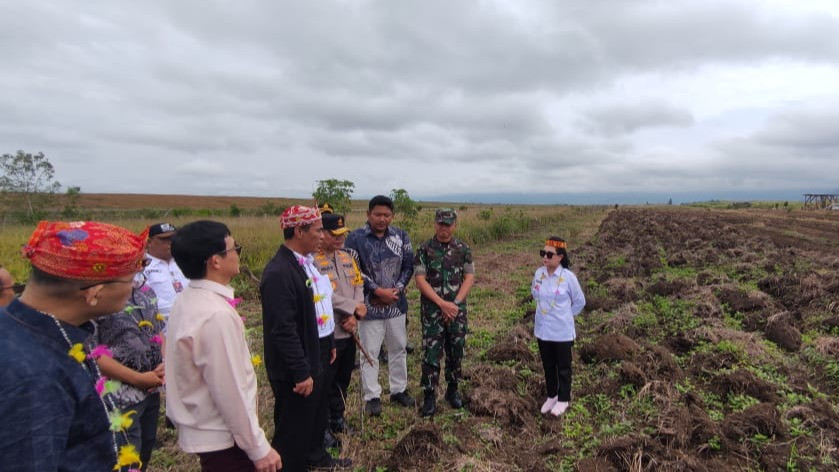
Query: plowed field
{"points": [[710, 342]]}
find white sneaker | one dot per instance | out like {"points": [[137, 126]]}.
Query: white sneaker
{"points": [[559, 408], [549, 403]]}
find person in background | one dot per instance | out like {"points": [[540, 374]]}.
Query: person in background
{"points": [[340, 266], [298, 325], [444, 274], [210, 380], [51, 415], [7, 287], [559, 299], [163, 274], [387, 263], [134, 338]]}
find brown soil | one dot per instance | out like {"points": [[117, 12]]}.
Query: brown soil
{"points": [[420, 446], [761, 280], [781, 330], [610, 347], [792, 259]]}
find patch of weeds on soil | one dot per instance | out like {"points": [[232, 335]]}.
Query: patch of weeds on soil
{"points": [[662, 317], [740, 402]]}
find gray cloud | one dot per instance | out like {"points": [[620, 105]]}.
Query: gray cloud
{"points": [[505, 96], [626, 118]]}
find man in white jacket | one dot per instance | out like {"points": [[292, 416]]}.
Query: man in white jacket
{"points": [[210, 381]]}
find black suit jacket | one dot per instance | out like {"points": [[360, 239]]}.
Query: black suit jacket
{"points": [[290, 329]]}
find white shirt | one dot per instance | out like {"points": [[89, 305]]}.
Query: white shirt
{"points": [[559, 299], [210, 381], [322, 287], [167, 280]]}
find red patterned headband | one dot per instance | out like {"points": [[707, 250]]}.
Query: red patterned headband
{"points": [[556, 244], [299, 215], [85, 250]]}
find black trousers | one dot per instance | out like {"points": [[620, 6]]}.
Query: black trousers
{"points": [[556, 360], [227, 460], [300, 422], [342, 370]]}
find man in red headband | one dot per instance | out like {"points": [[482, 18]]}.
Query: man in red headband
{"points": [[298, 324], [51, 416]]}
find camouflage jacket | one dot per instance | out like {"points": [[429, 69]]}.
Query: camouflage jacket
{"points": [[443, 266]]}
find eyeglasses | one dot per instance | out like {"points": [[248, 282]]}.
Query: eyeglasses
{"points": [[138, 281], [16, 288], [236, 247], [547, 254]]}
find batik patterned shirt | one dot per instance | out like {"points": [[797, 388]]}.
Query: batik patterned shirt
{"points": [[385, 262]]}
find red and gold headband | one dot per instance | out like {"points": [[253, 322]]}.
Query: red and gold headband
{"points": [[299, 215], [556, 244], [85, 250]]}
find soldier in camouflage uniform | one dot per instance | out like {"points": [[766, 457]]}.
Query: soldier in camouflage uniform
{"points": [[444, 275]]}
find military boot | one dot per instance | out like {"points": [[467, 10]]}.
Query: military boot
{"points": [[429, 405], [453, 396]]}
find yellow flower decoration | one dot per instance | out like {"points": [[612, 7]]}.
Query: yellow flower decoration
{"points": [[77, 352], [256, 360], [145, 324], [121, 421], [318, 297], [128, 456], [159, 317], [98, 267]]}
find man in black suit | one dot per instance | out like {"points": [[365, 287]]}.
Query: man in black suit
{"points": [[298, 323]]}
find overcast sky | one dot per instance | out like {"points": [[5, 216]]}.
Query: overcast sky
{"points": [[438, 97]]}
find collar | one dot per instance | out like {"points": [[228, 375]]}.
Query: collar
{"points": [[44, 324], [452, 242], [155, 261], [556, 273], [225, 291], [308, 258], [368, 231]]}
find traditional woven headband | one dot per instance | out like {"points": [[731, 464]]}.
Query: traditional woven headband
{"points": [[299, 215], [85, 250], [556, 244]]}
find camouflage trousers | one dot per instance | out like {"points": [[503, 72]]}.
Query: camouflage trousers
{"points": [[439, 338]]}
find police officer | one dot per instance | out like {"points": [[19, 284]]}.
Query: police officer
{"points": [[339, 264], [444, 275]]}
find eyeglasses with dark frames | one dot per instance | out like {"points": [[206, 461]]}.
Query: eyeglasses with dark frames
{"points": [[548, 254], [236, 247], [138, 281], [16, 288]]}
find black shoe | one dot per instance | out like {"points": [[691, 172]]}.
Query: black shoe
{"points": [[429, 406], [330, 441], [332, 464], [337, 425], [453, 397], [403, 399], [373, 407]]}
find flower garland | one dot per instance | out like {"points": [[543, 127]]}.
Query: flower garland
{"points": [[552, 303], [317, 297], [256, 359], [126, 455]]}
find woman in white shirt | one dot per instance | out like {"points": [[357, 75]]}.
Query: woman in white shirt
{"points": [[559, 299]]}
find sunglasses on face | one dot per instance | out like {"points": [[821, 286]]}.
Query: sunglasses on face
{"points": [[547, 254]]}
